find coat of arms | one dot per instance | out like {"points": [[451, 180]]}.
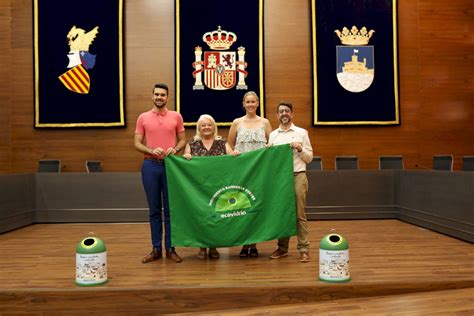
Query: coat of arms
{"points": [[77, 79], [220, 66], [355, 62]]}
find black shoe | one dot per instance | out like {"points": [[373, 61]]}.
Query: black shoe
{"points": [[244, 253], [253, 253]]}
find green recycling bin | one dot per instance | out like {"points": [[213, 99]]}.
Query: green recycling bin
{"points": [[91, 262], [334, 259]]}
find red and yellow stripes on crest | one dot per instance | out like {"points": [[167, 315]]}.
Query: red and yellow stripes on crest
{"points": [[76, 79]]}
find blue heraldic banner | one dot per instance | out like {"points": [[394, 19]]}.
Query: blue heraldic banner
{"points": [[355, 63], [78, 64], [219, 57]]}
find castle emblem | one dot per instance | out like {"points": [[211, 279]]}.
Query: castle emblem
{"points": [[220, 66], [77, 79], [355, 61]]}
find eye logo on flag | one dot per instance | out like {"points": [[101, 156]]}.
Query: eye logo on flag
{"points": [[219, 66], [355, 62], [77, 79], [232, 198]]}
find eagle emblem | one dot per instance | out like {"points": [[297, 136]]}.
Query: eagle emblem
{"points": [[80, 60]]}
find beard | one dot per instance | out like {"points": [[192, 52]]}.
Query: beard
{"points": [[285, 120], [160, 104]]}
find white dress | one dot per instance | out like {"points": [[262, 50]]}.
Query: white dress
{"points": [[249, 139]]}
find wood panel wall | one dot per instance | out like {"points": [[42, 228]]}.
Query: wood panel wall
{"points": [[436, 86]]}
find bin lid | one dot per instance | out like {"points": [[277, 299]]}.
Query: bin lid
{"points": [[90, 245], [334, 241]]}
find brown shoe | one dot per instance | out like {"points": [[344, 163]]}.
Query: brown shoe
{"points": [[173, 256], [155, 254], [278, 254], [213, 253], [304, 257], [202, 254]]}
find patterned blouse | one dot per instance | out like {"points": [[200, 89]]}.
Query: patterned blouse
{"points": [[249, 139], [198, 148]]}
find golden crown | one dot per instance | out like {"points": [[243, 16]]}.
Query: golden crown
{"points": [[219, 39], [354, 36]]}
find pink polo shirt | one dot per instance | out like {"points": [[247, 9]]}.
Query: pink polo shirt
{"points": [[159, 129]]}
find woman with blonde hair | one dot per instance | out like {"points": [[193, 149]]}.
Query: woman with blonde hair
{"points": [[206, 142], [247, 133]]}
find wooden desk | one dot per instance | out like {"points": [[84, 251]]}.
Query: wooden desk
{"points": [[439, 200]]}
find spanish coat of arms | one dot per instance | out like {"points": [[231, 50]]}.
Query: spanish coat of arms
{"points": [[220, 66]]}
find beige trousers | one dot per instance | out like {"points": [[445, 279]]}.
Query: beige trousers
{"points": [[301, 189]]}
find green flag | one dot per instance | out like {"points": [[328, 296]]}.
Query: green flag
{"points": [[224, 201]]}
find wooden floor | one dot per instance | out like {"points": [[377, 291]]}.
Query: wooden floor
{"points": [[448, 302], [395, 268]]}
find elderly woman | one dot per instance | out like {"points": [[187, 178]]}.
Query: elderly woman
{"points": [[247, 133], [206, 142]]}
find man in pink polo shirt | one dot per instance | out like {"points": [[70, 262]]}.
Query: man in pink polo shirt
{"points": [[155, 136]]}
